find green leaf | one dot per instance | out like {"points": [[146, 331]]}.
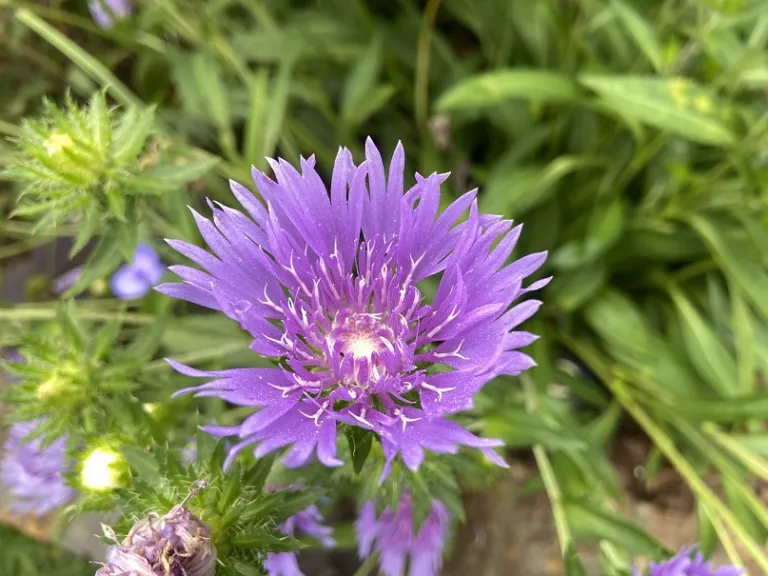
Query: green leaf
{"points": [[591, 522], [719, 410], [98, 120], [731, 256], [677, 106], [573, 565], [257, 116], [705, 533], [512, 189], [210, 86], [104, 260], [493, 88], [360, 441], [604, 229], [278, 105], [706, 352], [361, 84], [131, 134], [105, 339], [571, 290], [627, 337], [172, 176], [520, 429], [641, 31], [745, 341], [143, 462]]}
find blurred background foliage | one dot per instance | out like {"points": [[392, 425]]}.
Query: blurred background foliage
{"points": [[629, 136]]}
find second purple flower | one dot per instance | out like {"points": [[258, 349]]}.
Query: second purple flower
{"points": [[331, 283]]}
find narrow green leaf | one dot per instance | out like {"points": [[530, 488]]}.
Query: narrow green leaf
{"points": [[730, 255], [641, 31], [745, 341], [210, 86], [677, 106], [360, 441], [719, 410], [571, 290], [132, 133], [278, 104], [361, 82], [589, 521], [105, 339], [257, 114], [493, 88], [705, 532], [143, 462], [104, 260], [573, 565], [706, 352], [514, 189], [172, 176]]}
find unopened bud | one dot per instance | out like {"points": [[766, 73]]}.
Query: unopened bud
{"points": [[102, 470]]}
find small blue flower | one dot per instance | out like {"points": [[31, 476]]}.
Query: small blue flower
{"points": [[134, 280], [105, 12]]}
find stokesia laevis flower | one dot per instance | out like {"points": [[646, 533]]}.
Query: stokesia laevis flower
{"points": [[134, 280], [176, 544], [105, 12], [391, 535], [686, 563], [308, 522], [331, 285], [35, 475]]}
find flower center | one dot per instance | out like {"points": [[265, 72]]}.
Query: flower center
{"points": [[361, 350], [361, 345]]}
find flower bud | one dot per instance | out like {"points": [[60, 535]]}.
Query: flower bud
{"points": [[102, 470], [170, 545]]}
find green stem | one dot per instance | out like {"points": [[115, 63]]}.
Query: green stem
{"points": [[41, 314], [555, 496], [80, 57], [197, 356], [369, 565]]}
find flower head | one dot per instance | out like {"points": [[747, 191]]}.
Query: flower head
{"points": [[33, 474], [309, 522], [140, 276], [393, 538], [331, 285], [174, 544], [686, 564], [102, 469], [105, 12]]}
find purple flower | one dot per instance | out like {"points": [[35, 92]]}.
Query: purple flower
{"points": [[308, 522], [393, 538], [683, 564], [34, 475], [105, 12], [176, 543], [331, 285], [140, 276]]}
